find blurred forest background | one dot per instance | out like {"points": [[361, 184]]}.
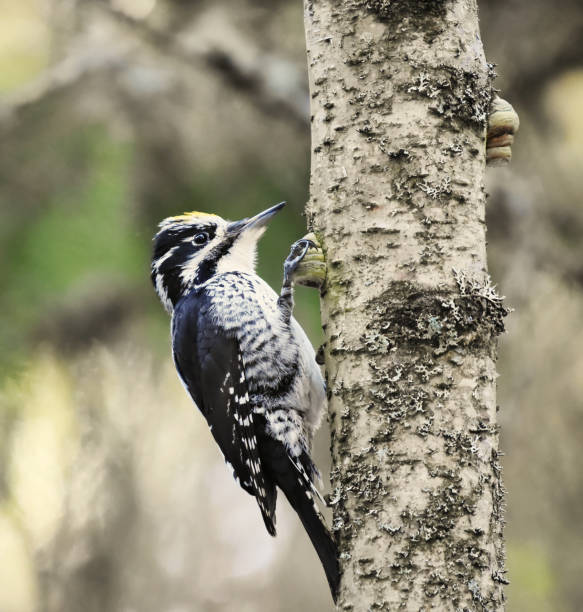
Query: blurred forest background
{"points": [[117, 113]]}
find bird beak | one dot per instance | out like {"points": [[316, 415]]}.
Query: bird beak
{"points": [[257, 221]]}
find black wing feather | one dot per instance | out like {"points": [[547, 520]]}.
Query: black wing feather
{"points": [[209, 363]]}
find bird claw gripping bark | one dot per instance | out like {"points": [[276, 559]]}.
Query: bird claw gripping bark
{"points": [[304, 265], [296, 255], [503, 123], [311, 269]]}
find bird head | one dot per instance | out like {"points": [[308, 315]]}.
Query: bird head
{"points": [[191, 248]]}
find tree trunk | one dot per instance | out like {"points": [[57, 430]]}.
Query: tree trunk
{"points": [[400, 92]]}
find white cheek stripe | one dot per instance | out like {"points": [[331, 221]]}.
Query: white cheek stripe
{"points": [[162, 293], [164, 257], [190, 268]]}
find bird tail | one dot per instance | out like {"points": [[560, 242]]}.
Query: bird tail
{"points": [[267, 507], [298, 491]]}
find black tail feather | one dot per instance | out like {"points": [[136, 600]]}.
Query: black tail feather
{"points": [[322, 542], [301, 500], [294, 477], [267, 507]]}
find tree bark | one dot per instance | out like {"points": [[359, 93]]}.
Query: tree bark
{"points": [[400, 93]]}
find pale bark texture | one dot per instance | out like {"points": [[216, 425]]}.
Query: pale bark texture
{"points": [[400, 93]]}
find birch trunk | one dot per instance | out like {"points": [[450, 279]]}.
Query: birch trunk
{"points": [[400, 92]]}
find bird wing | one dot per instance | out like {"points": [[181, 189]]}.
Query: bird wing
{"points": [[211, 367]]}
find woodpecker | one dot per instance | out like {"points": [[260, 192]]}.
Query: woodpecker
{"points": [[245, 361]]}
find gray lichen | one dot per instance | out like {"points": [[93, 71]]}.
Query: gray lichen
{"points": [[439, 318], [456, 94], [414, 9]]}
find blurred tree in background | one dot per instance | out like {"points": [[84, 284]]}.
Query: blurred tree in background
{"points": [[114, 114]]}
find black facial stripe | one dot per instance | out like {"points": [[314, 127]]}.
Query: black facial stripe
{"points": [[209, 266], [175, 236]]}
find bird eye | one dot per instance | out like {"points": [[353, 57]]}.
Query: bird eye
{"points": [[200, 238]]}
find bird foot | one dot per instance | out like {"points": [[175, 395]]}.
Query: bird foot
{"points": [[310, 269], [297, 253], [503, 123]]}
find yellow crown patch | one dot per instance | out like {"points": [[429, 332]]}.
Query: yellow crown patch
{"points": [[189, 218], [192, 216]]}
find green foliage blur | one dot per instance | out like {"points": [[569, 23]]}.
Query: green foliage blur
{"points": [[92, 236], [95, 431]]}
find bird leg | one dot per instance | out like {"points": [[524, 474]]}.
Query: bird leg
{"points": [[291, 266], [503, 123]]}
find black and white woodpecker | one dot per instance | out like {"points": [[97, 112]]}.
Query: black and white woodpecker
{"points": [[246, 362]]}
